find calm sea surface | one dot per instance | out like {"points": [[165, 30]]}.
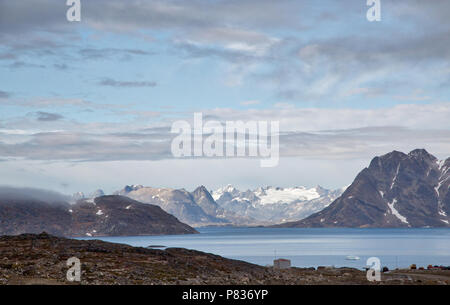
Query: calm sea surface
{"points": [[312, 247]]}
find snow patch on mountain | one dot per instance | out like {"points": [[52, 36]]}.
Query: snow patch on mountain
{"points": [[226, 189], [285, 195], [396, 213], [275, 204]]}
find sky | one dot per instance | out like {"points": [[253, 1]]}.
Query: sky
{"points": [[90, 104]]}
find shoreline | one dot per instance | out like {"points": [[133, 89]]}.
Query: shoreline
{"points": [[41, 258], [303, 246]]}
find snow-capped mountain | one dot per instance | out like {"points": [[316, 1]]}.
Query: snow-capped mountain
{"points": [[179, 202], [395, 190], [275, 204], [230, 206]]}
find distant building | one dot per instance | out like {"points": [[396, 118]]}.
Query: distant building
{"points": [[282, 263]]}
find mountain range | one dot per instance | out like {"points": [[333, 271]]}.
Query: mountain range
{"points": [[275, 204], [396, 190], [180, 203], [230, 206]]}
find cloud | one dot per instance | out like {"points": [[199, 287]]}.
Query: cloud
{"points": [[291, 118], [47, 116], [355, 143], [141, 114], [188, 49], [416, 95], [17, 193], [284, 105], [62, 67], [284, 50], [308, 133], [7, 56], [285, 44], [341, 67], [17, 17], [126, 84], [327, 145], [4, 94], [32, 46], [250, 103], [22, 64], [200, 23], [76, 146], [22, 17], [47, 102], [230, 41], [366, 92], [102, 53]]}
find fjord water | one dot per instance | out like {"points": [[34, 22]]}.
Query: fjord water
{"points": [[312, 247]]}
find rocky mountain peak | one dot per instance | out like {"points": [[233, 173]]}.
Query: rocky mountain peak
{"points": [[396, 190], [420, 153], [201, 190], [128, 189], [204, 199], [393, 155], [387, 161], [321, 190]]}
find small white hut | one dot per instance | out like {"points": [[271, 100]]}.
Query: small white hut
{"points": [[282, 263]]}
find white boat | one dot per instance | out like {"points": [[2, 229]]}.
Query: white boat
{"points": [[352, 258]]}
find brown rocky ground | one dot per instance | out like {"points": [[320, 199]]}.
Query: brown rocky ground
{"points": [[41, 259]]}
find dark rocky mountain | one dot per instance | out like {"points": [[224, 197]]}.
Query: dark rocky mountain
{"points": [[29, 210], [103, 216], [122, 216], [19, 215], [396, 190]]}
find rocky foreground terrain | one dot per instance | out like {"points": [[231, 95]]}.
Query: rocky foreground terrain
{"points": [[41, 259]]}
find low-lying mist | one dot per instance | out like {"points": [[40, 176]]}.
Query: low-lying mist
{"points": [[25, 193]]}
